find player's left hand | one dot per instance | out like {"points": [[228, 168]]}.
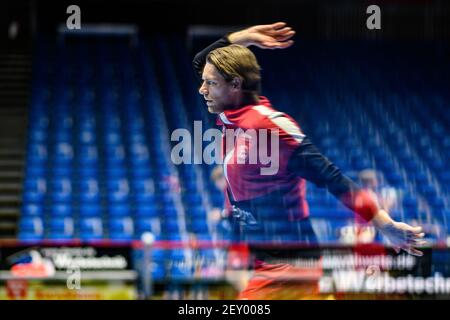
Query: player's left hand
{"points": [[402, 236]]}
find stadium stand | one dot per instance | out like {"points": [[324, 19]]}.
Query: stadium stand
{"points": [[98, 158]]}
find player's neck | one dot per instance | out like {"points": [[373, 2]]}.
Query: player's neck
{"points": [[245, 100], [249, 99]]}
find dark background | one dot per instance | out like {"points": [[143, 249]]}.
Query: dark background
{"points": [[401, 19]]}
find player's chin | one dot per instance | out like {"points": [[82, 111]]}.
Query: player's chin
{"points": [[212, 110]]}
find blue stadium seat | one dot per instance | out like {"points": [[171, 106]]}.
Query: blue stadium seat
{"points": [[61, 228], [121, 229], [61, 210], [152, 225], [31, 228], [91, 229], [170, 226], [119, 210], [199, 226], [32, 210], [90, 210], [147, 210]]}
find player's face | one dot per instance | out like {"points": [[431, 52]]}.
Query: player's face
{"points": [[218, 93]]}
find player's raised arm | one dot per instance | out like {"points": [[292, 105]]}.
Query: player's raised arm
{"points": [[268, 36], [311, 165]]}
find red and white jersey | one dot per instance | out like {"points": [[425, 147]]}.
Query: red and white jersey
{"points": [[244, 162]]}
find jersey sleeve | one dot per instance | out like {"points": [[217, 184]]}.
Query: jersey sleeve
{"points": [[308, 163]]}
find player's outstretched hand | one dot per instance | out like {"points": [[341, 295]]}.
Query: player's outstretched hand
{"points": [[402, 236], [268, 36]]}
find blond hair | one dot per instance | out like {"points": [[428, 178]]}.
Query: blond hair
{"points": [[236, 61]]}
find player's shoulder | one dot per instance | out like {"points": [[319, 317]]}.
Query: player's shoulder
{"points": [[261, 117], [272, 117]]}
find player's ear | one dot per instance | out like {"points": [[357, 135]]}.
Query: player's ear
{"points": [[236, 83]]}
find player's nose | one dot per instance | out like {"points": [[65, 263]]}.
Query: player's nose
{"points": [[202, 90]]}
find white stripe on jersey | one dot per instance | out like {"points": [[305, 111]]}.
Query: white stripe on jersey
{"points": [[224, 118], [280, 120], [225, 171]]}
